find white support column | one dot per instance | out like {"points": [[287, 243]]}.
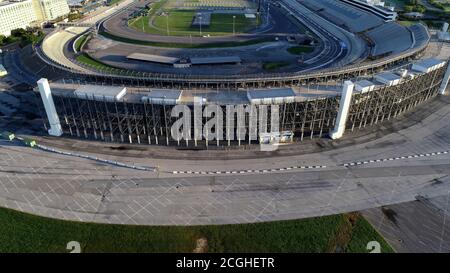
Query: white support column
{"points": [[49, 105], [344, 106], [445, 80], [445, 27]]}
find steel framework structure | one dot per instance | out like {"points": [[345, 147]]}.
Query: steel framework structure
{"points": [[149, 123], [389, 102]]}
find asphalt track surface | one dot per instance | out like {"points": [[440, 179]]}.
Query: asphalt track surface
{"points": [[339, 41], [55, 43], [393, 168], [338, 49]]}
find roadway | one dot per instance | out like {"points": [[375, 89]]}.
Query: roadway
{"points": [[394, 167]]}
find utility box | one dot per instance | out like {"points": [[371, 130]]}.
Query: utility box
{"points": [[7, 135], [3, 71], [30, 142], [286, 136]]}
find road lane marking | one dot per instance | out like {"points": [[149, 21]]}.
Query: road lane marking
{"points": [[357, 163]]}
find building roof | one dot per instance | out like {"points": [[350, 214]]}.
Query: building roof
{"points": [[215, 60], [153, 58], [169, 94], [388, 76], [428, 63], [270, 93], [364, 83], [100, 91], [163, 96]]}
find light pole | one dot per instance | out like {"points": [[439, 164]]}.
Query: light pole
{"points": [[200, 18], [143, 21], [234, 18], [167, 22]]}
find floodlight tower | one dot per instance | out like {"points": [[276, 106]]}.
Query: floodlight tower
{"points": [[167, 22], [200, 19]]}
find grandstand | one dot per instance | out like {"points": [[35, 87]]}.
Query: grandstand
{"points": [[383, 38], [416, 38], [420, 34], [305, 113], [343, 15], [134, 115], [390, 38]]}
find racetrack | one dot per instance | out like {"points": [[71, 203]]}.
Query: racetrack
{"points": [[118, 26], [340, 48], [329, 53], [54, 44]]}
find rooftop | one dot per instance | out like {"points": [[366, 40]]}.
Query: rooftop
{"points": [[364, 83], [271, 93], [153, 58], [215, 60], [388, 76], [169, 94], [100, 91], [222, 97], [429, 62]]}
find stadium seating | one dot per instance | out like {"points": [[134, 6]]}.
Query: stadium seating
{"points": [[390, 38], [39, 68], [420, 34], [343, 15], [383, 37]]}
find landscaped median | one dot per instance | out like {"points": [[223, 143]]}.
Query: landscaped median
{"points": [[22, 232], [299, 50], [182, 45], [80, 41], [272, 66], [86, 60]]}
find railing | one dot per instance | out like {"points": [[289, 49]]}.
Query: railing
{"points": [[127, 74]]}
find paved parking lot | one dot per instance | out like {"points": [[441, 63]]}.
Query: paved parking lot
{"points": [[75, 188]]}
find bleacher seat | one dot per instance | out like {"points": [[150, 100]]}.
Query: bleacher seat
{"points": [[390, 38], [344, 15], [420, 33]]}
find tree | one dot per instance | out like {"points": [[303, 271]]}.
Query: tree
{"points": [[2, 40]]}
